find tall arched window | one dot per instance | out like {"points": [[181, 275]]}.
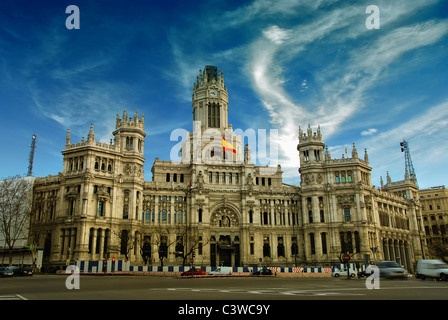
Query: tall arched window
{"points": [[213, 115], [124, 242]]}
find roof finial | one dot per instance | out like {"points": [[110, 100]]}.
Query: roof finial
{"points": [[91, 135]]}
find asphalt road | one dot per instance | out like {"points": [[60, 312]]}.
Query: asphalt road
{"points": [[53, 287], [216, 298]]}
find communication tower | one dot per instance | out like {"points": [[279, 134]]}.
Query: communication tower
{"points": [[408, 161]]}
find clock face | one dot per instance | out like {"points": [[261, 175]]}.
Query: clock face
{"points": [[213, 93]]}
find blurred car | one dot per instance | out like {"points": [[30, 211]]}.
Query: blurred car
{"points": [[263, 272], [391, 270], [6, 272], [221, 271], [193, 272], [338, 272], [435, 269], [22, 271]]}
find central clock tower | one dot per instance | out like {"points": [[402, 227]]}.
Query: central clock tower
{"points": [[210, 100], [212, 136]]}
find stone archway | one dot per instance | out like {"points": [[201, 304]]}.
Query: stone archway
{"points": [[225, 250], [224, 217]]}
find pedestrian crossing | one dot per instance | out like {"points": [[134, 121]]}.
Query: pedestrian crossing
{"points": [[12, 297]]}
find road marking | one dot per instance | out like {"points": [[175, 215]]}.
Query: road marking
{"points": [[282, 291], [13, 297]]}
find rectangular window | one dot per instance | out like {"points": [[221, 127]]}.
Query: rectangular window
{"points": [[324, 242], [347, 217], [100, 208], [312, 244]]}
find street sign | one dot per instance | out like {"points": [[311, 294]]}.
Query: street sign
{"points": [[346, 257]]}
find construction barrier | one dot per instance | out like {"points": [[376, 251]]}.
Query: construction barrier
{"points": [[125, 267]]}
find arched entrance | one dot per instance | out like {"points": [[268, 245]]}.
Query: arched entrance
{"points": [[225, 234]]}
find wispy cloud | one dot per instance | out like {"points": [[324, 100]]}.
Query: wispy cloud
{"points": [[342, 86], [369, 132]]}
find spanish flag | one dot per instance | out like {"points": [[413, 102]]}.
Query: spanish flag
{"points": [[226, 146]]}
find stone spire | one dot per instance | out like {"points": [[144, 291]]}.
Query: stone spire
{"points": [[327, 154], [354, 152], [247, 156], [91, 135], [68, 138]]}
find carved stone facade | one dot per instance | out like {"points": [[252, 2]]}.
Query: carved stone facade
{"points": [[215, 205]]}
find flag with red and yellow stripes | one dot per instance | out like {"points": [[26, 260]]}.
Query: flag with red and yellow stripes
{"points": [[226, 146]]}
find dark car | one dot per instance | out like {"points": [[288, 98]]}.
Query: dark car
{"points": [[6, 272], [391, 270], [263, 272], [22, 271], [193, 272]]}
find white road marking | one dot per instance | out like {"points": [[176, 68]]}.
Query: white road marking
{"points": [[13, 297]]}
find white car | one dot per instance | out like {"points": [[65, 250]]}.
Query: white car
{"points": [[432, 269], [339, 272], [221, 271]]}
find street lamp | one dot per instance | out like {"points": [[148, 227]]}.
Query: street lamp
{"points": [[294, 221], [186, 190]]}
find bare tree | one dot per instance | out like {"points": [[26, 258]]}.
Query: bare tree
{"points": [[195, 240], [126, 241], [15, 211], [162, 240], [438, 249]]}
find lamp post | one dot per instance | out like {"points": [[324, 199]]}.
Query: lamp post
{"points": [[419, 221], [294, 221], [187, 191]]}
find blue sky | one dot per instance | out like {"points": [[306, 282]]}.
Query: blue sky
{"points": [[286, 64]]}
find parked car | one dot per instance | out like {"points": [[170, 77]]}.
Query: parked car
{"points": [[22, 271], [263, 272], [221, 271], [6, 272], [435, 269], [391, 270], [193, 272], [338, 272]]}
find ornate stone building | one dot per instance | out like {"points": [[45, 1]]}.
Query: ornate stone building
{"points": [[214, 204], [434, 205]]}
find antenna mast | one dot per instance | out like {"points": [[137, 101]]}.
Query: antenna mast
{"points": [[31, 159], [408, 161]]}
